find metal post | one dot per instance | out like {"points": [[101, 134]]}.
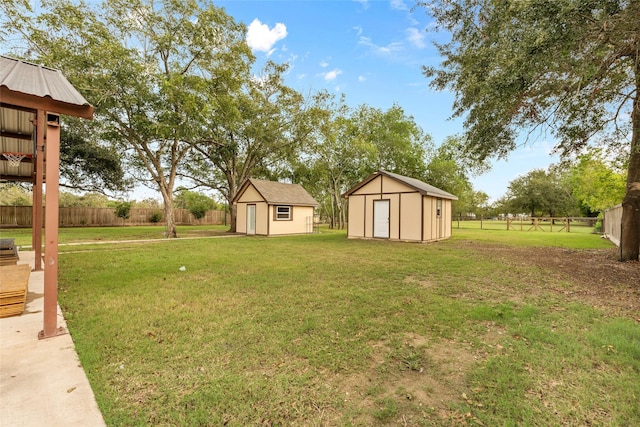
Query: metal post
{"points": [[51, 230], [37, 211]]}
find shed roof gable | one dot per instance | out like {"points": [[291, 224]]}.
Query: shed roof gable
{"points": [[278, 193], [421, 187]]}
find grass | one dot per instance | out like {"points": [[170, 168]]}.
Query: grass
{"points": [[322, 330], [573, 240], [85, 235]]}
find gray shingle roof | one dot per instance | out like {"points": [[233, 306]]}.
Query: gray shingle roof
{"points": [[422, 187], [37, 80], [280, 193]]}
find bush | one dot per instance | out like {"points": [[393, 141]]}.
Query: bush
{"points": [[598, 227], [123, 210], [196, 203], [156, 217]]}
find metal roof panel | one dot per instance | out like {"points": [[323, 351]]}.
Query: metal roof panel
{"points": [[37, 80]]}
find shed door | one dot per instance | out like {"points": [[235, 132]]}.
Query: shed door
{"points": [[381, 219], [251, 219]]}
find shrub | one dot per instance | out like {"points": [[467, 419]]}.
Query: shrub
{"points": [[123, 210], [156, 217]]}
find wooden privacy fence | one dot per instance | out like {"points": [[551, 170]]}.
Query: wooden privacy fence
{"points": [[20, 216], [612, 224]]}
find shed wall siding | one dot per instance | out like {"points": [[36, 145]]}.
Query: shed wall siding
{"points": [[355, 225], [436, 228], [411, 217], [262, 219], [241, 217], [447, 207], [301, 215], [429, 207]]}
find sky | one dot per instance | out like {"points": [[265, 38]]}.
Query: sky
{"points": [[372, 51]]}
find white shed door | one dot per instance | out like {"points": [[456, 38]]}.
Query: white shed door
{"points": [[251, 219], [381, 219]]}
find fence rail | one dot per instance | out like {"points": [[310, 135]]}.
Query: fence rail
{"points": [[612, 227], [21, 217], [548, 224]]}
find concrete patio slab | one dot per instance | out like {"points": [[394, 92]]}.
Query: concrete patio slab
{"points": [[41, 381]]}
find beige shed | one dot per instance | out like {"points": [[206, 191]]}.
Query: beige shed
{"points": [[386, 205], [271, 208]]}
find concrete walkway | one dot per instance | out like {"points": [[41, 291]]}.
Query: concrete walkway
{"points": [[41, 381]]}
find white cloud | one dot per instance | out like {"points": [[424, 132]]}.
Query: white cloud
{"points": [[416, 37], [399, 5], [324, 64], [381, 50], [361, 79], [364, 3], [261, 38], [331, 75]]}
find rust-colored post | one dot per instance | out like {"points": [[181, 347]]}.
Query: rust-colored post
{"points": [[51, 229], [36, 214]]}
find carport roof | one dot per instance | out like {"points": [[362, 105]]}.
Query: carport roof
{"points": [[26, 88], [31, 82]]}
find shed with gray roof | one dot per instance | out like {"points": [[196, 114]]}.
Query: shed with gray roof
{"points": [[387, 205], [273, 208]]}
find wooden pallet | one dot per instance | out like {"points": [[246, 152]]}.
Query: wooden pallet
{"points": [[8, 252], [14, 284]]}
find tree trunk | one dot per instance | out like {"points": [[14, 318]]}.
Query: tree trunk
{"points": [[233, 212], [630, 240], [332, 222], [170, 231]]}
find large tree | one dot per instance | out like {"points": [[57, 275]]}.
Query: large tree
{"points": [[261, 123], [541, 192], [597, 183], [87, 165], [155, 72], [350, 143], [568, 66]]}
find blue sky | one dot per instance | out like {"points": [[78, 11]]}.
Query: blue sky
{"points": [[372, 51]]}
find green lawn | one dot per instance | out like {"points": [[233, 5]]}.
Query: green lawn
{"points": [[323, 330], [84, 235]]}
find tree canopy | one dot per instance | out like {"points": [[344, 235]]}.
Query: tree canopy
{"points": [[596, 183], [154, 72], [541, 192], [350, 143], [259, 126], [569, 67]]}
